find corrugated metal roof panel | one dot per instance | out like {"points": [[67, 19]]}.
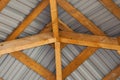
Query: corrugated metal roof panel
{"points": [[95, 68]]}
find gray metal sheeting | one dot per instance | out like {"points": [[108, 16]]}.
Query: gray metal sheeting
{"points": [[95, 68]]}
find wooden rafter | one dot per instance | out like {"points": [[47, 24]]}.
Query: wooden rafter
{"points": [[43, 4], [84, 55], [33, 65], [88, 24], [55, 26], [90, 40], [111, 6], [80, 17], [101, 41], [25, 43], [3, 4], [64, 27], [113, 75]]}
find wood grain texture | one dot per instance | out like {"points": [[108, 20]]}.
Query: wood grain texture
{"points": [[58, 61], [90, 40], [25, 43], [112, 7], [55, 26], [54, 18], [31, 63]]}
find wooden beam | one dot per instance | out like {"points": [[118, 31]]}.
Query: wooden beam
{"points": [[54, 18], [64, 27], [1, 78], [3, 4], [90, 40], [85, 54], [48, 28], [33, 65], [80, 17], [112, 7], [58, 61], [119, 44], [113, 75], [25, 43], [43, 4]]}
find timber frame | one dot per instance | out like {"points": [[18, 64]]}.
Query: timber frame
{"points": [[51, 34]]}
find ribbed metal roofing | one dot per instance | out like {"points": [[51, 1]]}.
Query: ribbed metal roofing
{"points": [[95, 68]]}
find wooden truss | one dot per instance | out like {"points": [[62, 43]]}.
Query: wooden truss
{"points": [[51, 34]]}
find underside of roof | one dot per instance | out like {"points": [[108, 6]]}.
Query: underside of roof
{"points": [[96, 67]]}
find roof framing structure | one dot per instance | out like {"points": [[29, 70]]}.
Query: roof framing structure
{"points": [[51, 34]]}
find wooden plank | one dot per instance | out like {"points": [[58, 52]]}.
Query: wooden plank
{"points": [[55, 26], [64, 27], [58, 61], [48, 28], [33, 65], [119, 44], [3, 4], [80, 17], [113, 75], [112, 7], [90, 40], [43, 4], [85, 54], [25, 43], [54, 18]]}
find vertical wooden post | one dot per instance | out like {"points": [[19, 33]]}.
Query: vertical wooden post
{"points": [[54, 18]]}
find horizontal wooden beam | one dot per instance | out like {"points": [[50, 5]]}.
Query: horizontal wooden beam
{"points": [[112, 7], [80, 17], [90, 40], [33, 65], [3, 4], [25, 43], [113, 75], [42, 5]]}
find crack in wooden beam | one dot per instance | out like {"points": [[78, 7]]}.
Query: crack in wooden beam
{"points": [[113, 75], [3, 4], [112, 7]]}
